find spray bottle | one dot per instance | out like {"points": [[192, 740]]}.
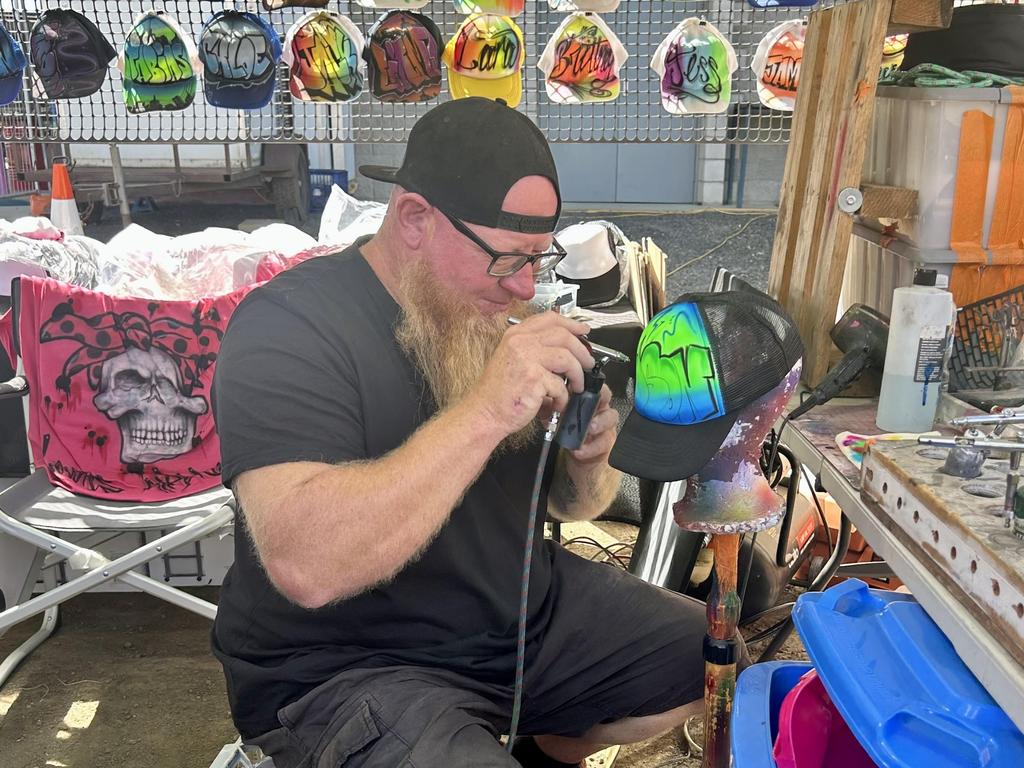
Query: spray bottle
{"points": [[922, 316]]}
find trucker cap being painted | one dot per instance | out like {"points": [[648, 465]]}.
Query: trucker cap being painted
{"points": [[69, 54], [695, 65], [485, 58], [240, 52], [699, 362], [322, 51], [403, 57], [581, 61], [159, 65], [464, 156]]}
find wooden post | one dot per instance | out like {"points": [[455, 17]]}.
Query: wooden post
{"points": [[723, 609]]}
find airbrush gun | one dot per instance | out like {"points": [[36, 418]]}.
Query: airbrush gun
{"points": [[573, 424]]}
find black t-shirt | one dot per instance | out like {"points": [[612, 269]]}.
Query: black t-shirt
{"points": [[309, 370]]}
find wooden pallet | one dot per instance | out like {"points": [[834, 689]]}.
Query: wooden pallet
{"points": [[834, 109]]}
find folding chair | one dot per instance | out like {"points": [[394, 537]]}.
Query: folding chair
{"points": [[116, 395]]}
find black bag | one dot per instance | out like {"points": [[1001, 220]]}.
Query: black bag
{"points": [[983, 38]]}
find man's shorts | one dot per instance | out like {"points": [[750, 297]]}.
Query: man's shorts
{"points": [[616, 647]]}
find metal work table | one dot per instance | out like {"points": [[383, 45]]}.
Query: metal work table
{"points": [[812, 440]]}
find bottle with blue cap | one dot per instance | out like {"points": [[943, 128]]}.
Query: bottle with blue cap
{"points": [[919, 335]]}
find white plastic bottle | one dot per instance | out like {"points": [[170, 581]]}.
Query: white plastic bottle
{"points": [[918, 337]]}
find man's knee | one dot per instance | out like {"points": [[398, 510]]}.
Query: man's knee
{"points": [[633, 729]]}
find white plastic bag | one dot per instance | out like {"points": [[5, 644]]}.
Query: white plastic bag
{"points": [[346, 219]]}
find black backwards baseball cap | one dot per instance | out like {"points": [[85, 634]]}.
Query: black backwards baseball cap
{"points": [[464, 156], [69, 54], [699, 363], [240, 52]]}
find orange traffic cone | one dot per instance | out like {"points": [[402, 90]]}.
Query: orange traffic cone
{"points": [[63, 209]]}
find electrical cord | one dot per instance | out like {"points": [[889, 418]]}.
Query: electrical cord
{"points": [[711, 250], [524, 594], [612, 552]]}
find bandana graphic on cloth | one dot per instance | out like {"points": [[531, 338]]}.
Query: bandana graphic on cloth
{"points": [[581, 61], [322, 50], [120, 403], [777, 65], [695, 64], [159, 65]]}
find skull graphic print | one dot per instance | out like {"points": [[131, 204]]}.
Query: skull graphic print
{"points": [[142, 391]]}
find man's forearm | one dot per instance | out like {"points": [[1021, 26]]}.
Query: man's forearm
{"points": [[326, 532], [582, 491]]}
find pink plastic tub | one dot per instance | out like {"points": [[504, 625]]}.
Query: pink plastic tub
{"points": [[812, 733]]}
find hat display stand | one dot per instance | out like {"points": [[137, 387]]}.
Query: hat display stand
{"points": [[730, 496]]}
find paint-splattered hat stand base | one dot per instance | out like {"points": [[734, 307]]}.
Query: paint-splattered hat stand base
{"points": [[730, 494]]}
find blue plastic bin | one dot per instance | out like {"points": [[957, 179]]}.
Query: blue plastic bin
{"points": [[760, 690], [320, 182]]}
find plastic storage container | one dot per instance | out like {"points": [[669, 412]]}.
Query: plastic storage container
{"points": [[873, 272], [812, 733], [915, 143], [899, 684], [760, 691]]}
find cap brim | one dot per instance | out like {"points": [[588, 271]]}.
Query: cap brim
{"points": [[385, 173], [234, 95], [667, 452], [509, 89], [596, 290]]}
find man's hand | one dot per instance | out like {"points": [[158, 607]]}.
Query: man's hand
{"points": [[528, 367]]}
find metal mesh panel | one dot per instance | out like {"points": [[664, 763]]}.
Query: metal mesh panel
{"points": [[636, 116]]}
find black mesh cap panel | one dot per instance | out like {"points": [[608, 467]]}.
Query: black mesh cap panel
{"points": [[755, 343]]}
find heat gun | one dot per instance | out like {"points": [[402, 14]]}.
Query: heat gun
{"points": [[573, 424]]}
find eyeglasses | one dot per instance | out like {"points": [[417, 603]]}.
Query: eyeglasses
{"points": [[506, 263]]}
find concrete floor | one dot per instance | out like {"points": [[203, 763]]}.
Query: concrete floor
{"points": [[129, 682]]}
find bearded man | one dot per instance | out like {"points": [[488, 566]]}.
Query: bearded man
{"points": [[379, 426]]}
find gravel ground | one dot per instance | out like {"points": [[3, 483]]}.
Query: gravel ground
{"points": [[160, 693]]}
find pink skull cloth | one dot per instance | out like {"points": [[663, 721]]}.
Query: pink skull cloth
{"points": [[120, 389]]}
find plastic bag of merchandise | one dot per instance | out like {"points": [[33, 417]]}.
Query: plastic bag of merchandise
{"points": [[139, 263], [33, 239], [281, 238], [346, 219]]}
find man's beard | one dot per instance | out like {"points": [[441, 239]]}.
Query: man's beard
{"points": [[450, 341]]}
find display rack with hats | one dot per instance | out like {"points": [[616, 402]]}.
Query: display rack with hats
{"points": [[695, 65], [69, 54], [485, 58], [323, 52], [159, 65], [239, 52], [403, 57], [581, 61]]}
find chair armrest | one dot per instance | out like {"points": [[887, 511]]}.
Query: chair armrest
{"points": [[16, 387]]}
